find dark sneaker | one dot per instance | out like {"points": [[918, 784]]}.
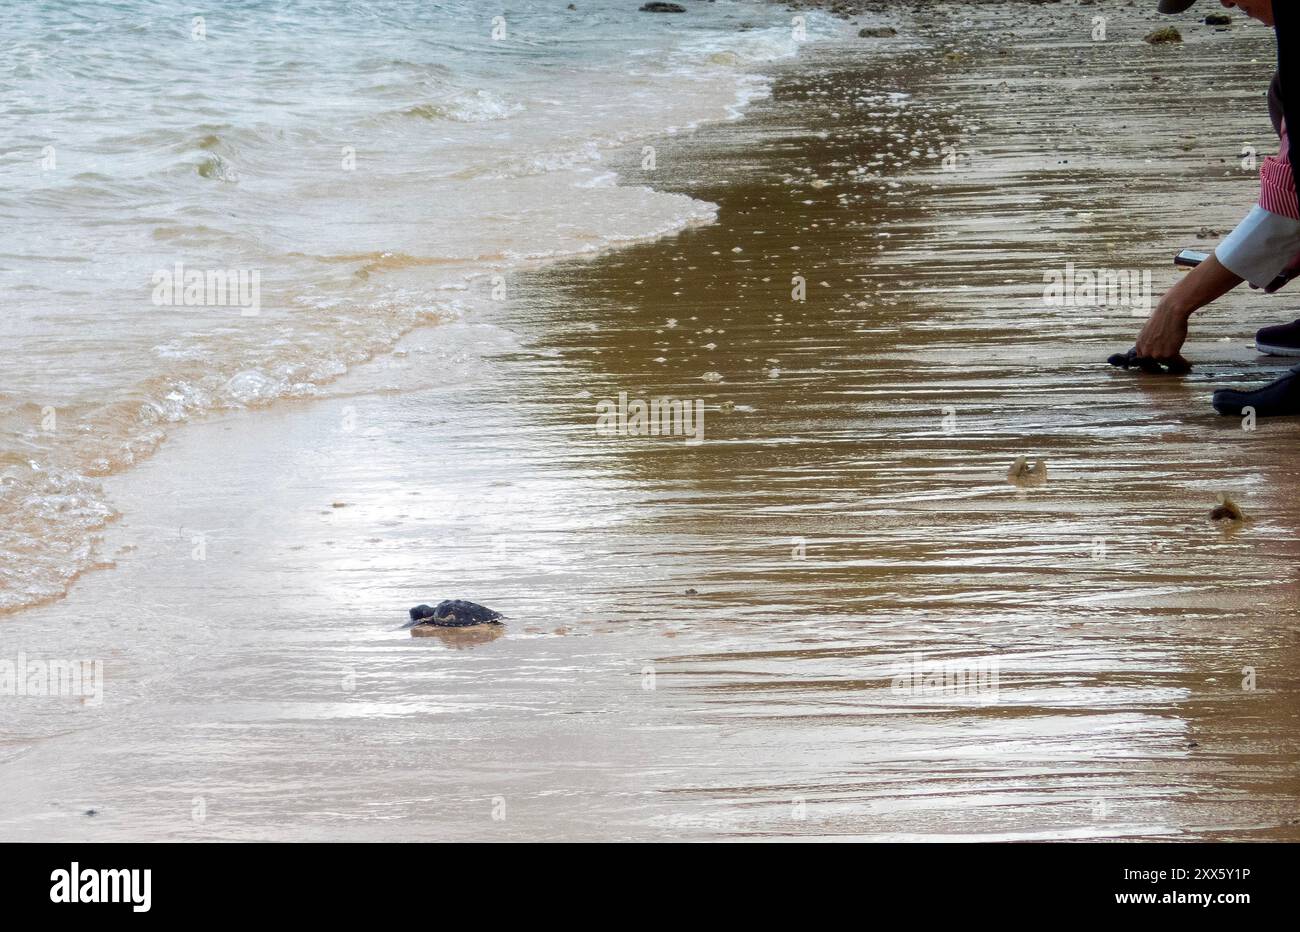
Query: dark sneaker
{"points": [[1276, 399], [1279, 341]]}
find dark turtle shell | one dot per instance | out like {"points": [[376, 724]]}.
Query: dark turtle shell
{"points": [[454, 613]]}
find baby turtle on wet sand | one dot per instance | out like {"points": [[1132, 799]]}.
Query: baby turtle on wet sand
{"points": [[452, 613]]}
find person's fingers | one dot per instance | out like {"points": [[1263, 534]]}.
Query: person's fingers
{"points": [[1178, 365]]}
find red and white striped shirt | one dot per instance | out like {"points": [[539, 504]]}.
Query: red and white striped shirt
{"points": [[1277, 182]]}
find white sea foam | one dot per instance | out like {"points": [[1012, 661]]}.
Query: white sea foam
{"points": [[367, 182]]}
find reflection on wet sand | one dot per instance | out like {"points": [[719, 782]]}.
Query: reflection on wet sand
{"points": [[855, 515], [460, 638]]}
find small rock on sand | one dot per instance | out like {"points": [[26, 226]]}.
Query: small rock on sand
{"points": [[1164, 36], [877, 32], [662, 8], [1022, 473], [1226, 510]]}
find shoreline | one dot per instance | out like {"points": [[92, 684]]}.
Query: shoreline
{"points": [[411, 278], [267, 679]]}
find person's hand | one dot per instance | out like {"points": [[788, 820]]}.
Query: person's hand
{"points": [[1160, 344], [1163, 336]]}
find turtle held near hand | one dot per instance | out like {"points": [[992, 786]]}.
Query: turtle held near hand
{"points": [[453, 613]]}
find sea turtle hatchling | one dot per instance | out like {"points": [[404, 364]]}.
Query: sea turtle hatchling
{"points": [[452, 613]]}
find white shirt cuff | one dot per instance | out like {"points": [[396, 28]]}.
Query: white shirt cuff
{"points": [[1260, 247]]}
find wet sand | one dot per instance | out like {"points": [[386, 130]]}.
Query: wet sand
{"points": [[847, 511]]}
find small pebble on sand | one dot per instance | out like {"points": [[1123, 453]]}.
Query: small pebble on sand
{"points": [[1226, 510], [1022, 472], [1164, 36]]}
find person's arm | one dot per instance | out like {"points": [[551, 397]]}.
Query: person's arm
{"points": [[1165, 332], [1261, 248]]}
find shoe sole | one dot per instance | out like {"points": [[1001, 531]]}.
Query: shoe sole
{"points": [[1268, 350]]}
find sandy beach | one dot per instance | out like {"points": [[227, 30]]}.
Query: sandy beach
{"points": [[726, 633]]}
